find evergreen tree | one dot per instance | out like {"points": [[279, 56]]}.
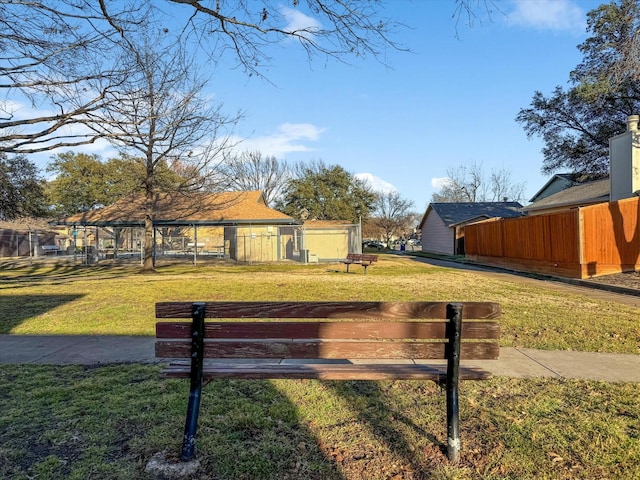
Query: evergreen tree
{"points": [[322, 192], [21, 188]]}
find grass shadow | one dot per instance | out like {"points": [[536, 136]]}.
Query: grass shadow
{"points": [[109, 421], [402, 429], [19, 274], [15, 309], [249, 429]]}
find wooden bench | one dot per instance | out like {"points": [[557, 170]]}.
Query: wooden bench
{"points": [[345, 341], [360, 259], [50, 249]]}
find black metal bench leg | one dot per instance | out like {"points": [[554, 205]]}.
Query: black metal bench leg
{"points": [[454, 315], [195, 390]]}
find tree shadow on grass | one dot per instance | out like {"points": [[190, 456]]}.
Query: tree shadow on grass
{"points": [[249, 429], [111, 420], [15, 309], [36, 273], [394, 427]]}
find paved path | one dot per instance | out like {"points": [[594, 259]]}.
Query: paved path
{"points": [[513, 362]]}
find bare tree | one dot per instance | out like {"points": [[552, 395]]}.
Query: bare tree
{"points": [[392, 214], [464, 183], [329, 28], [57, 69], [504, 188], [469, 183], [160, 117], [250, 170], [62, 57]]}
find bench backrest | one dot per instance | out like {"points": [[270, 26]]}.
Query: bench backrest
{"points": [[369, 258], [358, 330], [354, 257]]}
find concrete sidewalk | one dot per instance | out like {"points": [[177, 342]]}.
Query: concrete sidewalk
{"points": [[513, 362]]}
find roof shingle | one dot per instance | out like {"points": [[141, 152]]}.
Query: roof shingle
{"points": [[177, 208]]}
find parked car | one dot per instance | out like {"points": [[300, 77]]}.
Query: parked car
{"points": [[374, 244]]}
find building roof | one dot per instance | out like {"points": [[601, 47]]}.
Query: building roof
{"points": [[25, 224], [567, 179], [461, 212], [226, 208], [579, 195], [326, 223]]}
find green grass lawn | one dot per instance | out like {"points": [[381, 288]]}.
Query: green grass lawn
{"points": [[107, 422], [119, 300]]}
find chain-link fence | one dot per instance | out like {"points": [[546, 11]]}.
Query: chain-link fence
{"points": [[244, 243]]}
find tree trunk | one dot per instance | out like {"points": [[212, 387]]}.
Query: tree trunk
{"points": [[148, 263]]}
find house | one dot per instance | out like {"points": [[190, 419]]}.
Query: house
{"points": [[573, 196], [568, 191], [559, 182], [442, 225]]}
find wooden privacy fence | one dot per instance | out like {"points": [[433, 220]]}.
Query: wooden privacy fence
{"points": [[579, 243]]}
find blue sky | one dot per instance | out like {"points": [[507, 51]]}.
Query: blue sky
{"points": [[452, 100]]}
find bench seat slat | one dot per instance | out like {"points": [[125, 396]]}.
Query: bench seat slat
{"points": [[329, 330], [326, 371], [324, 349], [351, 310]]}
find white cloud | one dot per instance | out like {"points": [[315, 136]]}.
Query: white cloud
{"points": [[376, 183], [22, 110], [548, 15], [289, 137], [297, 20], [438, 183]]}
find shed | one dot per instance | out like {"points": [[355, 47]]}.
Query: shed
{"points": [[330, 240]]}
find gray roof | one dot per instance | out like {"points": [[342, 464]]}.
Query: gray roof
{"points": [[578, 195], [456, 213]]}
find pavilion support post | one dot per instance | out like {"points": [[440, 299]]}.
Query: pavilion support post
{"points": [[97, 244], [195, 244], [155, 244]]}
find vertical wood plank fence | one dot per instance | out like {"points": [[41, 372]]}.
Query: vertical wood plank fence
{"points": [[580, 243]]}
